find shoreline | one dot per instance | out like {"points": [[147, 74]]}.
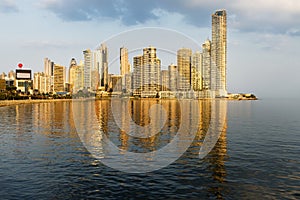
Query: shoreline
{"points": [[30, 101]]}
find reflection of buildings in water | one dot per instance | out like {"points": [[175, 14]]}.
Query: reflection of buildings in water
{"points": [[125, 123], [139, 112], [102, 112], [50, 117], [57, 113], [216, 160], [22, 122], [89, 116], [217, 157], [174, 119], [213, 125]]}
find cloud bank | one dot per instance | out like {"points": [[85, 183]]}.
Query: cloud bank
{"points": [[8, 6], [279, 17]]}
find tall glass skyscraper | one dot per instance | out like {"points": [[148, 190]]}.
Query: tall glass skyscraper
{"points": [[219, 53]]}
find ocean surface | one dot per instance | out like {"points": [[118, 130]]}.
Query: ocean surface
{"points": [[47, 150]]}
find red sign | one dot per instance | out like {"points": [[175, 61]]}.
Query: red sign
{"points": [[20, 65]]}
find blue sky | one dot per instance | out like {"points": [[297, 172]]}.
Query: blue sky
{"points": [[263, 36]]}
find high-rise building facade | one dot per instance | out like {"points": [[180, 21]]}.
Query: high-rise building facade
{"points": [[37, 80], [173, 74], [197, 71], [72, 67], [78, 77], [184, 62], [124, 62], [219, 52], [206, 65], [98, 66], [104, 65], [115, 83], [40, 82], [124, 68], [88, 65], [59, 78], [165, 80], [49, 74], [128, 83], [151, 72], [73, 70], [137, 74], [48, 67]]}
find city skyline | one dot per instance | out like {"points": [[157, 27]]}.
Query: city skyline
{"points": [[147, 79], [260, 40]]}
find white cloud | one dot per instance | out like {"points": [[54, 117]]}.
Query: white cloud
{"points": [[8, 6], [250, 16]]}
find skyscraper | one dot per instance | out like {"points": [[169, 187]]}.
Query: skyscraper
{"points": [[151, 70], [173, 74], [40, 82], [197, 71], [88, 62], [72, 66], [124, 62], [78, 77], [219, 52], [72, 74], [206, 65], [37, 79], [59, 78], [49, 73], [124, 68], [48, 67], [104, 65], [137, 74], [184, 58], [165, 80]]}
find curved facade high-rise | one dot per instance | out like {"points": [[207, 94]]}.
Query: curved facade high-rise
{"points": [[219, 53]]}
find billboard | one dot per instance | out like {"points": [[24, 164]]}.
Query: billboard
{"points": [[23, 74]]}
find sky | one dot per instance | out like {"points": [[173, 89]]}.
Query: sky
{"points": [[263, 36]]}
